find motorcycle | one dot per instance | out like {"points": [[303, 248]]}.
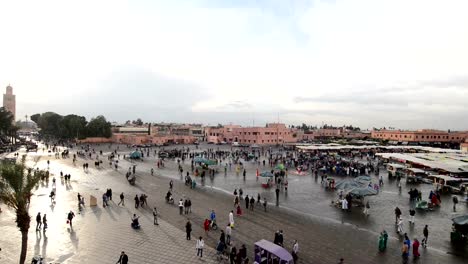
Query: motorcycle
{"points": [[37, 260], [169, 200]]}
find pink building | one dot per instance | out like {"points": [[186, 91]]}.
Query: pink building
{"points": [[151, 139], [423, 135], [271, 134]]}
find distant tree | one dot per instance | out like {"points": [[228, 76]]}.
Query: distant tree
{"points": [[50, 124], [138, 122], [73, 126], [6, 121], [35, 118], [16, 185], [128, 122], [99, 127]]}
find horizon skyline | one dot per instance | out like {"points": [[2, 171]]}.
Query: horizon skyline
{"points": [[145, 122], [369, 63]]}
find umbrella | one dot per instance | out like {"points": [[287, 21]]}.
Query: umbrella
{"points": [[205, 161], [210, 162], [347, 185], [199, 160], [362, 191], [266, 174], [135, 155], [279, 167], [363, 178], [460, 220]]}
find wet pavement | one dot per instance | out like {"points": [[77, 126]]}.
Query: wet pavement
{"points": [[324, 232], [307, 196]]}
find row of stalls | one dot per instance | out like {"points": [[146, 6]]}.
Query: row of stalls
{"points": [[447, 172]]}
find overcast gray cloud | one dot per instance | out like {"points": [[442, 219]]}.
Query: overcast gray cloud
{"points": [[335, 62]]}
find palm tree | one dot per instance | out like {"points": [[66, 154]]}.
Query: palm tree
{"points": [[16, 185]]}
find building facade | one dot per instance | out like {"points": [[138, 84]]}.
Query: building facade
{"points": [[271, 134], [464, 146], [423, 135], [9, 101]]}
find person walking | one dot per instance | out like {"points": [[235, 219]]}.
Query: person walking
{"points": [[137, 201], [252, 203], [277, 195], [233, 255], [247, 201], [383, 241], [366, 209], [122, 199], [206, 226], [455, 202], [185, 206], [188, 229], [44, 222], [70, 217], [416, 248], [228, 234], [412, 212], [123, 259], [295, 250], [189, 205], [38, 221], [171, 185], [397, 214], [264, 204], [104, 200], [400, 226], [280, 238], [426, 235], [231, 219], [199, 246], [405, 252], [181, 206], [155, 216]]}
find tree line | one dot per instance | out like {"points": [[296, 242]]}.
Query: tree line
{"points": [[71, 126], [307, 128], [7, 126]]}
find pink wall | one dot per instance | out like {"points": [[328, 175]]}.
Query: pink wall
{"points": [[145, 139], [272, 134], [95, 140], [420, 135]]}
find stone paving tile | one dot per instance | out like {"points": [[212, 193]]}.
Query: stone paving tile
{"points": [[98, 236], [101, 233]]}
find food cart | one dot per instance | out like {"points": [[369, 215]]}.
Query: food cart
{"points": [[414, 175], [267, 179], [448, 184], [268, 253], [395, 170], [459, 232]]}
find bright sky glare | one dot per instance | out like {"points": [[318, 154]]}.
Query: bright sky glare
{"points": [[369, 63]]}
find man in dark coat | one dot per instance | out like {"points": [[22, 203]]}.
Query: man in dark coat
{"points": [[123, 259]]}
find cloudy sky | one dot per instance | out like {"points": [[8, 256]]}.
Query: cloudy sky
{"points": [[370, 63]]}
